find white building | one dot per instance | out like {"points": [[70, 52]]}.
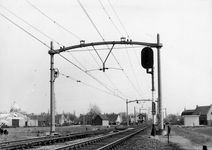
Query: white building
{"points": [[14, 118], [191, 120]]}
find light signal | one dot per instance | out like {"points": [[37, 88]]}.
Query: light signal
{"points": [[147, 58]]}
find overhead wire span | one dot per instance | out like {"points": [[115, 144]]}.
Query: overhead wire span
{"points": [[59, 26], [107, 45], [90, 18], [25, 30], [134, 73], [110, 18], [118, 18], [103, 84], [126, 34], [79, 81], [53, 20], [140, 67], [31, 25], [69, 31], [97, 31]]}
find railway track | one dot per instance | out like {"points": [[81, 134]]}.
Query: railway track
{"points": [[105, 142], [47, 140]]}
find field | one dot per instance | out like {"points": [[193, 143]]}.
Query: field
{"points": [[30, 132], [198, 136]]}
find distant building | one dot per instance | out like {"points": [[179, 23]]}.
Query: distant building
{"points": [[142, 117], [114, 119], [187, 112], [100, 120], [15, 118], [85, 119], [191, 120], [42, 120], [202, 115], [133, 119], [63, 119]]}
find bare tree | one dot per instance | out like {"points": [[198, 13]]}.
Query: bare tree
{"points": [[94, 109]]}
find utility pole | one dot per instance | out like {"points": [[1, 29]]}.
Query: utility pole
{"points": [[160, 106], [54, 73], [127, 112], [153, 132], [52, 103], [135, 115]]}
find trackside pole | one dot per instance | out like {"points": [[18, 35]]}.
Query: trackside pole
{"points": [[153, 132], [52, 107], [127, 112], [160, 113]]}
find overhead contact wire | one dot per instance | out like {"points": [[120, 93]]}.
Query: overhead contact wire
{"points": [[53, 20], [25, 31]]}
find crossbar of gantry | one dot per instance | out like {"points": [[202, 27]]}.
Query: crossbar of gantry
{"points": [[62, 49]]}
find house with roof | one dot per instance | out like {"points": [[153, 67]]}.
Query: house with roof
{"points": [[14, 118], [142, 117], [39, 120], [63, 119], [205, 114], [114, 119], [100, 120], [85, 119], [202, 115]]}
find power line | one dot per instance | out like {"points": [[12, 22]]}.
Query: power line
{"points": [[90, 19], [103, 49], [107, 46], [69, 31], [79, 81], [103, 84], [25, 31], [31, 25], [118, 18], [133, 72], [125, 32], [97, 32], [110, 18], [140, 67], [59, 26], [53, 20]]}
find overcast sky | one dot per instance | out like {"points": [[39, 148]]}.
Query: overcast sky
{"points": [[27, 27]]}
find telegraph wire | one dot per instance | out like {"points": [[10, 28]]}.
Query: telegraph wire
{"points": [[69, 31], [118, 18], [107, 46], [133, 72], [59, 26], [110, 17], [79, 81], [97, 31], [102, 49], [125, 32], [25, 30], [140, 67], [103, 84], [90, 19], [53, 20], [31, 25]]}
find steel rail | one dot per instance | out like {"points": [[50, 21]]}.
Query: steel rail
{"points": [[118, 142], [97, 139], [29, 143]]}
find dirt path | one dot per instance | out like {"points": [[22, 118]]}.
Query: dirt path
{"points": [[183, 142]]}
